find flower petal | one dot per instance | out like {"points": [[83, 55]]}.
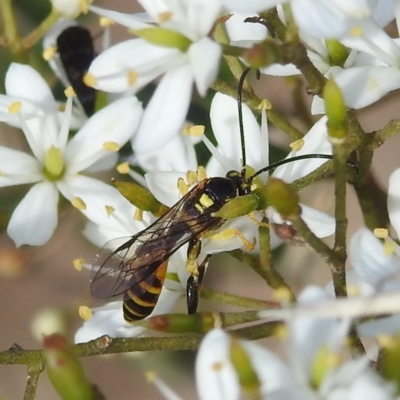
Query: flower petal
{"points": [[34, 220], [115, 123], [166, 112], [393, 202], [204, 69], [17, 168], [164, 186]]}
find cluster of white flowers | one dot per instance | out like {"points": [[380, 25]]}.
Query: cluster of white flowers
{"points": [[176, 44]]}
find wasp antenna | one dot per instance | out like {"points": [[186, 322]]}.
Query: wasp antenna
{"points": [[240, 115], [288, 160]]}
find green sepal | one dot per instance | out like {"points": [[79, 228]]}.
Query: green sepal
{"points": [[238, 207], [141, 198], [164, 38]]}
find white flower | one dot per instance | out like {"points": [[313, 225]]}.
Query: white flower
{"points": [[133, 64], [56, 163], [71, 8]]}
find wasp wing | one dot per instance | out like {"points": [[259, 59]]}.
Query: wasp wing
{"points": [[138, 259]]}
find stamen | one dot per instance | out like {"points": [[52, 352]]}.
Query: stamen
{"points": [[111, 146], [201, 173], [15, 107], [182, 186], [132, 77], [85, 313], [138, 216], [282, 294], [281, 332], [197, 130], [90, 80], [264, 105], [49, 53], [297, 145], [69, 92], [78, 264], [191, 177], [66, 121], [164, 17], [84, 6], [123, 168], [381, 233], [109, 210], [105, 22], [78, 203], [163, 388]]}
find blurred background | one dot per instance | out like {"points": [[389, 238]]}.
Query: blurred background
{"points": [[36, 283]]}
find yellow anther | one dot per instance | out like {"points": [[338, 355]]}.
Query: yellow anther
{"points": [[89, 80], [84, 6], [201, 173], [123, 168], [138, 216], [230, 233], [282, 294], [78, 203], [281, 332], [353, 290], [111, 146], [78, 263], [356, 31], [1, 173], [132, 77], [109, 210], [85, 313], [186, 129], [150, 376], [49, 53], [297, 145], [381, 233], [182, 186], [387, 342], [197, 130], [15, 107], [264, 105], [164, 17], [104, 22], [389, 247], [69, 92], [191, 177]]}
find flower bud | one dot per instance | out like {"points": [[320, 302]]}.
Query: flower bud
{"points": [[283, 198], [337, 52], [141, 198], [335, 111], [64, 370], [164, 38]]}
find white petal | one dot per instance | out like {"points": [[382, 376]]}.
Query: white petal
{"points": [[317, 106], [17, 168], [112, 66], [225, 124], [23, 82], [321, 224], [315, 142], [393, 202], [368, 258], [69, 8], [280, 70], [165, 114], [177, 155], [215, 376], [133, 21], [97, 195], [239, 30], [164, 186], [34, 220], [250, 6], [362, 86], [115, 123], [204, 69], [105, 321]]}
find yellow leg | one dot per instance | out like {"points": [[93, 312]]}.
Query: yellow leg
{"points": [[231, 233], [256, 221]]}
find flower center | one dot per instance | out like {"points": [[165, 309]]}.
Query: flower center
{"points": [[53, 164]]}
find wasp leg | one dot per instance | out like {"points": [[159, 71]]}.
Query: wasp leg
{"points": [[232, 232], [193, 286], [257, 222]]}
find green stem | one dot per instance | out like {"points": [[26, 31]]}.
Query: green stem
{"points": [[232, 299], [37, 34], [11, 32], [271, 276], [34, 372]]}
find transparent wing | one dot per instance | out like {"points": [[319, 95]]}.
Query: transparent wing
{"points": [[117, 268]]}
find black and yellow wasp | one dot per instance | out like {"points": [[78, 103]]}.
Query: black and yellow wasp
{"points": [[137, 268]]}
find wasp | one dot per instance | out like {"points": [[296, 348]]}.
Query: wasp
{"points": [[137, 268]]}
